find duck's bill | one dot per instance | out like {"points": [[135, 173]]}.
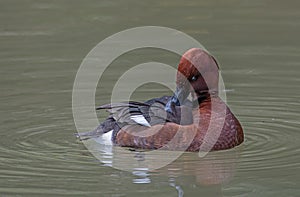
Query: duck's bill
{"points": [[177, 99]]}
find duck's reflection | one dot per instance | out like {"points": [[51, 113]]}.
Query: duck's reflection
{"points": [[187, 173], [172, 183], [142, 175]]}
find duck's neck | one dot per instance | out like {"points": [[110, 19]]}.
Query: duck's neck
{"points": [[203, 98]]}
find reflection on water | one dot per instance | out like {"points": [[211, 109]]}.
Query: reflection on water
{"points": [[42, 46], [141, 175], [214, 169]]}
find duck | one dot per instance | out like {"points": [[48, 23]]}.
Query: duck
{"points": [[195, 118]]}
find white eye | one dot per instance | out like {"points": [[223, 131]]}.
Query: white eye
{"points": [[194, 78]]}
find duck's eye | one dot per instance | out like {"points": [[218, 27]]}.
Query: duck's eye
{"points": [[194, 78]]}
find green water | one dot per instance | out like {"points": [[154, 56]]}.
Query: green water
{"points": [[42, 44]]}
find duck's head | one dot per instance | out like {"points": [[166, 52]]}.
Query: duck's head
{"points": [[198, 75]]}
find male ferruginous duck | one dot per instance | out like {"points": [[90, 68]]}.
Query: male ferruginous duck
{"points": [[174, 122]]}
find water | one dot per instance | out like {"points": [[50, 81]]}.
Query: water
{"points": [[43, 44]]}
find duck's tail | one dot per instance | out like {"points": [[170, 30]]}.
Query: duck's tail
{"points": [[103, 128]]}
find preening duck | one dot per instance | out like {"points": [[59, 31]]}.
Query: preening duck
{"points": [[174, 122]]}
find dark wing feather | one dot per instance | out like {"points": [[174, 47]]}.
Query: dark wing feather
{"points": [[152, 110]]}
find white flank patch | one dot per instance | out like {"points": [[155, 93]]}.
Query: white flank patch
{"points": [[140, 119], [106, 138]]}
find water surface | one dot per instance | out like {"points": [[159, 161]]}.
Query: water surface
{"points": [[43, 44]]}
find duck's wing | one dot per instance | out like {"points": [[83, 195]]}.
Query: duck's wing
{"points": [[147, 114], [121, 114], [128, 113]]}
